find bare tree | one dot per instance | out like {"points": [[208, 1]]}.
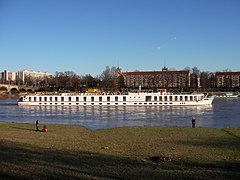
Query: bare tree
{"points": [[108, 78]]}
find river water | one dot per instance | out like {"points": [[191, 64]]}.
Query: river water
{"points": [[221, 114]]}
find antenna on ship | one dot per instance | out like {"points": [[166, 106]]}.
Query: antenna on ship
{"points": [[140, 88]]}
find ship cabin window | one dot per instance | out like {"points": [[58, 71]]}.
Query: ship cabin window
{"points": [[124, 98], [191, 98], [69, 99], [181, 98], [77, 98], [195, 98], [108, 98], [56, 99], [100, 98], [116, 98], [50, 98], [40, 98], [170, 98], [155, 98], [84, 98], [35, 98], [92, 98], [45, 98], [186, 98], [148, 98], [176, 98], [29, 98], [62, 98], [165, 98], [160, 98]]}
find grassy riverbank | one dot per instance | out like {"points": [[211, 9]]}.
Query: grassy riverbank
{"points": [[121, 153]]}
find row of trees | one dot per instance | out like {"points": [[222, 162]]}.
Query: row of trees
{"points": [[107, 80], [70, 81]]}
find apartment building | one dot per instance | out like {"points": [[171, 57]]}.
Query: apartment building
{"points": [[7, 75], [16, 77], [33, 74], [228, 79]]}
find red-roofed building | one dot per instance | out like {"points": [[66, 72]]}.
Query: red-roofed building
{"points": [[156, 79]]}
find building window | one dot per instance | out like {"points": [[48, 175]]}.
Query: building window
{"points": [[62, 98], [100, 98], [108, 98], [40, 98], [124, 98], [69, 99], [84, 99], [29, 98], [56, 99], [92, 98], [155, 98], [77, 98], [35, 99], [50, 98], [45, 98], [116, 98]]}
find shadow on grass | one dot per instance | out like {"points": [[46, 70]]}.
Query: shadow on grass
{"points": [[23, 128], [230, 142], [18, 161]]}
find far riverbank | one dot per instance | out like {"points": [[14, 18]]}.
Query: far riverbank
{"points": [[6, 95]]}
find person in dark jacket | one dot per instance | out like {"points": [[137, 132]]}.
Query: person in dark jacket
{"points": [[193, 122], [37, 125]]}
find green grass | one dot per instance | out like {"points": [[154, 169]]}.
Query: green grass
{"points": [[73, 152]]}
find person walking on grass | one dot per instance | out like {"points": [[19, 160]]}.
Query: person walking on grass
{"points": [[193, 122], [37, 125]]}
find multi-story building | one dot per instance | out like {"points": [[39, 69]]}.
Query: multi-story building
{"points": [[7, 76], [228, 79], [22, 75], [1, 77], [156, 79]]}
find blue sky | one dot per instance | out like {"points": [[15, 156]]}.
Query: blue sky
{"points": [[85, 36]]}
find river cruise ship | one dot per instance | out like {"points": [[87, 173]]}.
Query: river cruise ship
{"points": [[160, 98]]}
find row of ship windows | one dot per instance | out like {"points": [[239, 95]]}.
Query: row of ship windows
{"points": [[107, 103], [70, 99], [148, 98]]}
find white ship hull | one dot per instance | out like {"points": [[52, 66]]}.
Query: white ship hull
{"points": [[130, 99]]}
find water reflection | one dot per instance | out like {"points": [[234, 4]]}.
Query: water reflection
{"points": [[96, 117]]}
